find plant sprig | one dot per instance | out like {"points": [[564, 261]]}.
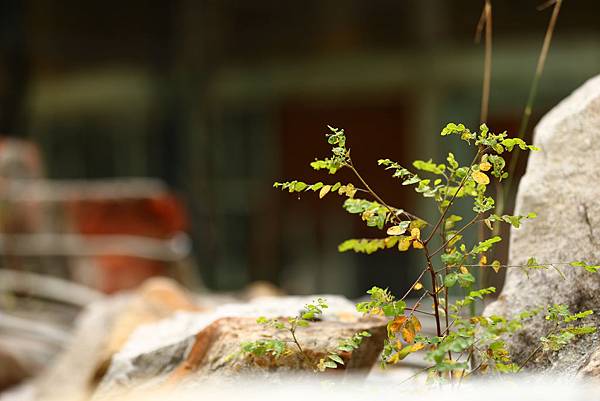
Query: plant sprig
{"points": [[460, 340]]}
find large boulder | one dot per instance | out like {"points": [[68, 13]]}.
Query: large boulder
{"points": [[191, 348], [101, 330], [561, 185]]}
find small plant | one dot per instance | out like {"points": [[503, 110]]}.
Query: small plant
{"points": [[464, 343], [280, 347]]}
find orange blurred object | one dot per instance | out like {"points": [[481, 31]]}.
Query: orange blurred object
{"points": [[160, 217]]}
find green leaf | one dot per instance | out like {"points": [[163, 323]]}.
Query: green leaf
{"points": [[336, 358], [452, 161], [367, 246], [451, 221], [587, 267], [300, 186], [398, 229], [466, 280], [484, 246], [453, 258], [450, 279], [429, 166]]}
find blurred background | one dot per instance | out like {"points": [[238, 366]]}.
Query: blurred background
{"points": [[142, 138]]}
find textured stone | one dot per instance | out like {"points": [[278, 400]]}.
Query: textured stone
{"points": [[101, 330], [561, 185], [193, 347], [12, 370]]}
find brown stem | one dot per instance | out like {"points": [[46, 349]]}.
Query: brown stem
{"points": [[423, 312], [414, 308], [310, 362], [530, 357], [462, 183], [474, 220], [413, 285], [377, 197], [434, 292]]}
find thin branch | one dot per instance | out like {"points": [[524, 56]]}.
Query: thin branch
{"points": [[534, 89], [423, 312], [413, 285], [434, 294], [486, 20], [530, 357], [376, 196], [416, 374], [414, 308], [462, 183], [470, 223], [293, 332], [521, 266]]}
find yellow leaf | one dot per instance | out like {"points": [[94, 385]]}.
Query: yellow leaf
{"points": [[417, 244], [377, 311], [417, 286], [415, 233], [367, 214], [408, 334], [417, 347], [350, 190], [410, 329], [464, 270], [396, 230], [404, 243], [483, 260], [415, 323], [398, 345], [453, 240], [395, 325], [485, 166], [481, 178], [496, 265], [394, 359], [324, 191], [342, 190], [406, 351], [417, 223]]}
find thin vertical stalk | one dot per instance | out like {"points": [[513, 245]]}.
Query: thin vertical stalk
{"points": [[533, 91], [485, 21], [434, 292]]}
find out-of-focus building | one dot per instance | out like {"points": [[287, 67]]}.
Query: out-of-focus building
{"points": [[220, 98]]}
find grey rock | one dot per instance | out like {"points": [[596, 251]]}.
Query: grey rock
{"points": [[562, 185], [194, 347]]}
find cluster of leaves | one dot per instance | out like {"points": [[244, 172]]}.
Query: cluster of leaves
{"points": [[464, 342], [346, 345], [277, 347], [567, 326], [324, 189], [340, 154], [265, 347]]}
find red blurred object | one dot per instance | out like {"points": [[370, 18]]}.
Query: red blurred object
{"points": [[160, 217]]}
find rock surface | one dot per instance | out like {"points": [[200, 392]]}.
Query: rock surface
{"points": [[193, 347], [562, 185], [100, 331]]}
